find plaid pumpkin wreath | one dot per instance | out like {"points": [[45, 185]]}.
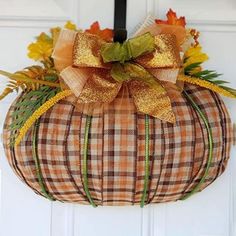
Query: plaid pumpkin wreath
{"points": [[109, 123]]}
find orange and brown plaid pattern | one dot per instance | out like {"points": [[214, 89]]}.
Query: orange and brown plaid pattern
{"points": [[116, 156]]}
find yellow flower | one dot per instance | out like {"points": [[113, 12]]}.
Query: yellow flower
{"points": [[70, 25], [194, 55], [41, 49]]}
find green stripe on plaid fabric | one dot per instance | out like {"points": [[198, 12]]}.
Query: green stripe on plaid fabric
{"points": [[147, 165], [37, 163], [85, 161], [210, 146]]}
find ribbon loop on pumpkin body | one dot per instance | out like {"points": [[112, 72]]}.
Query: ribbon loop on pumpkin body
{"points": [[98, 70]]}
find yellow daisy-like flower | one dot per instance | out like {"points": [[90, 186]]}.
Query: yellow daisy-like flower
{"points": [[194, 55], [70, 25], [41, 49]]}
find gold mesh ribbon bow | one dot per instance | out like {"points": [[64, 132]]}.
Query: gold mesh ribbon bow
{"points": [[95, 70]]}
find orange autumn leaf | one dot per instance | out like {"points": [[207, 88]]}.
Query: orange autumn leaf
{"points": [[172, 19], [106, 34]]}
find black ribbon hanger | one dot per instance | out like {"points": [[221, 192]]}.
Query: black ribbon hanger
{"points": [[120, 32]]}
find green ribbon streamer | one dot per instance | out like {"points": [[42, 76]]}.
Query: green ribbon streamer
{"points": [[130, 49], [37, 163], [147, 165], [210, 140], [127, 71], [85, 161]]}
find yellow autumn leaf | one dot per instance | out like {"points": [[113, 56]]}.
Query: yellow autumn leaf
{"points": [[70, 25], [43, 37], [195, 55], [41, 49]]}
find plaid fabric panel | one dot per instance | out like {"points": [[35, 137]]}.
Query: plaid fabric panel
{"points": [[25, 161], [94, 157], [116, 150], [74, 155], [157, 156], [208, 102], [177, 166], [140, 164], [119, 151], [20, 159], [8, 151], [227, 134], [53, 151]]}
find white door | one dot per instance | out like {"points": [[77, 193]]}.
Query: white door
{"points": [[210, 213]]}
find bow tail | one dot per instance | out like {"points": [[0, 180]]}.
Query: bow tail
{"points": [[154, 102], [149, 96]]}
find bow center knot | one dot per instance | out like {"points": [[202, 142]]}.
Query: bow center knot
{"points": [[130, 49]]}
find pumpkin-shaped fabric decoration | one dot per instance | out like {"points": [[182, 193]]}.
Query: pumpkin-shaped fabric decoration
{"points": [[178, 153], [109, 123]]}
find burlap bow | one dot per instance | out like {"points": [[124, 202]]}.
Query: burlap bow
{"points": [[95, 70]]}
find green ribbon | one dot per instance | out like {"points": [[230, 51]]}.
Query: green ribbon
{"points": [[127, 71], [210, 146], [85, 161], [147, 165], [130, 49], [37, 163]]}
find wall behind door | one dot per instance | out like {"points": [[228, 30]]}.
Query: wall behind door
{"points": [[22, 213]]}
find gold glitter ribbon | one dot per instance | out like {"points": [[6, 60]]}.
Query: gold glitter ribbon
{"points": [[94, 70]]}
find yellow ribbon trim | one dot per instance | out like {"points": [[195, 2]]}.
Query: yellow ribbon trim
{"points": [[39, 112], [205, 84]]}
